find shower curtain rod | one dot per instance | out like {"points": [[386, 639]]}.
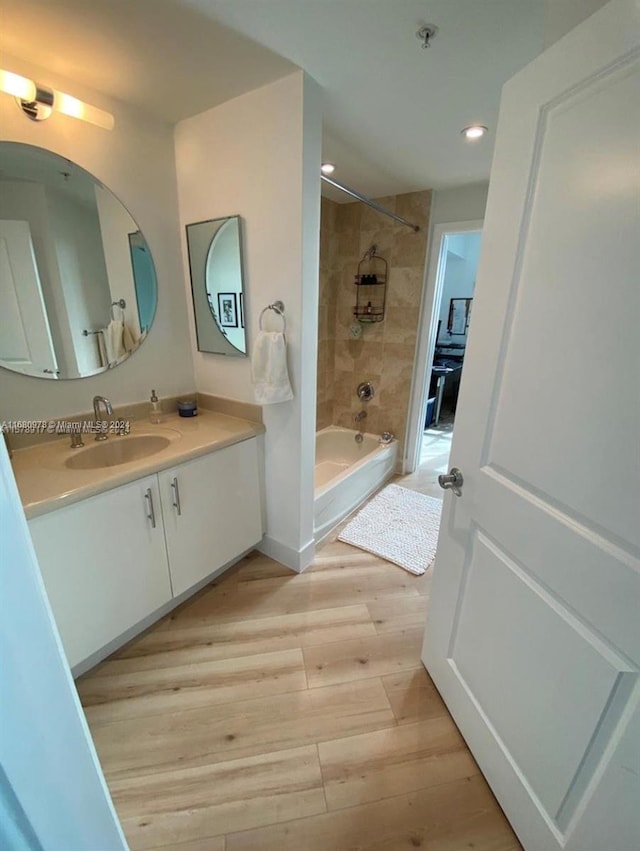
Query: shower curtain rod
{"points": [[355, 194]]}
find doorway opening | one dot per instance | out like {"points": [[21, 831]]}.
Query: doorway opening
{"points": [[443, 334]]}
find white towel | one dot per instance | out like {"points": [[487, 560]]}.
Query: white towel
{"points": [[101, 337], [128, 338], [113, 341], [269, 368]]}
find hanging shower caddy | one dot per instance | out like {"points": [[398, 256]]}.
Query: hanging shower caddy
{"points": [[371, 287]]}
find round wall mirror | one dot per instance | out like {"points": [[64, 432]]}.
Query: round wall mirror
{"points": [[78, 288]]}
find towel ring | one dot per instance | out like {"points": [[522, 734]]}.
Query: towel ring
{"points": [[121, 303], [277, 307]]}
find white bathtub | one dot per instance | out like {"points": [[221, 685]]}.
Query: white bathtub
{"points": [[346, 473]]}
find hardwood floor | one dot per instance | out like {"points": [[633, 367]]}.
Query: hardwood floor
{"points": [[289, 712]]}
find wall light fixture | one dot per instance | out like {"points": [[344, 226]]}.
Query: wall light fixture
{"points": [[38, 102]]}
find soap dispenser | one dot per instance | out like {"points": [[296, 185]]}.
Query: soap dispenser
{"points": [[155, 410]]}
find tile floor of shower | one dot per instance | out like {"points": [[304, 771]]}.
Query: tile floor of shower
{"points": [[284, 712]]}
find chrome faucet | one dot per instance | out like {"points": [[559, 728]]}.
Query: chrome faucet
{"points": [[101, 435], [362, 415], [76, 438]]}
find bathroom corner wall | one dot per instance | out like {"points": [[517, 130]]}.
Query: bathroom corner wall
{"points": [[258, 156], [385, 352], [136, 162], [329, 286]]}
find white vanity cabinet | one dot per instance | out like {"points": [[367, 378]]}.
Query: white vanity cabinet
{"points": [[113, 560], [104, 564], [211, 510]]}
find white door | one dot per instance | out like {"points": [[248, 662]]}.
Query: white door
{"points": [[25, 336], [211, 509], [52, 790], [533, 634], [104, 565]]}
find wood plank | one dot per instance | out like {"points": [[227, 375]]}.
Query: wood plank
{"points": [[397, 613], [160, 690], [336, 553], [243, 728], [345, 556], [197, 765], [413, 696], [365, 768], [190, 804], [347, 661], [209, 843], [322, 589], [258, 566], [450, 817], [212, 641]]}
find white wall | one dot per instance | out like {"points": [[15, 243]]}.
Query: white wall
{"points": [[461, 204], [76, 232], [463, 251], [258, 156], [115, 225], [136, 161], [560, 16], [223, 274]]}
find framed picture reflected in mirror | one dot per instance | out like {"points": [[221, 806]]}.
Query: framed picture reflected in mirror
{"points": [[227, 310]]}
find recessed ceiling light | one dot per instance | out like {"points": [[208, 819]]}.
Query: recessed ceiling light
{"points": [[476, 131], [327, 168]]}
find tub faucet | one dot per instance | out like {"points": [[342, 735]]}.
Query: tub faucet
{"points": [[360, 417], [97, 401]]}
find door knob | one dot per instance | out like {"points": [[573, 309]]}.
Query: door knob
{"points": [[452, 481]]}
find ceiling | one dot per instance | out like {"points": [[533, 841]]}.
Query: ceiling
{"points": [[392, 110]]}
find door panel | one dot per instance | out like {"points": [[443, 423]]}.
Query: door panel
{"points": [[533, 636], [565, 339], [25, 335], [529, 669], [219, 515], [594, 578], [104, 565]]}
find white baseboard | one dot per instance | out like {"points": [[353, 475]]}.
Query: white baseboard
{"points": [[297, 560]]}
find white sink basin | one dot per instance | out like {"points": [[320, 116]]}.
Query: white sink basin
{"points": [[121, 450]]}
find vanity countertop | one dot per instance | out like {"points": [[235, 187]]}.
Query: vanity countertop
{"points": [[45, 482]]}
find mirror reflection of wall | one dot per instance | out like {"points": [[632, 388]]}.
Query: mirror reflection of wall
{"points": [[65, 267], [215, 261], [461, 264]]}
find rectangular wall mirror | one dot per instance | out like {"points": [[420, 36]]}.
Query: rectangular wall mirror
{"points": [[215, 265], [459, 316]]}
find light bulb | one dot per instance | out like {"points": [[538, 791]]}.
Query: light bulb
{"points": [[327, 168], [19, 87], [476, 131], [68, 105]]}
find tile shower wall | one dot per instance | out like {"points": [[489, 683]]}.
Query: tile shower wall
{"points": [[384, 354]]}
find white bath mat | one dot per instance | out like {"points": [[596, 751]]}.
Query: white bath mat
{"points": [[399, 525]]}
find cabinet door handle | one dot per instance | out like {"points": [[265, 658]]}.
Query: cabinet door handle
{"points": [[151, 515], [176, 495]]}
